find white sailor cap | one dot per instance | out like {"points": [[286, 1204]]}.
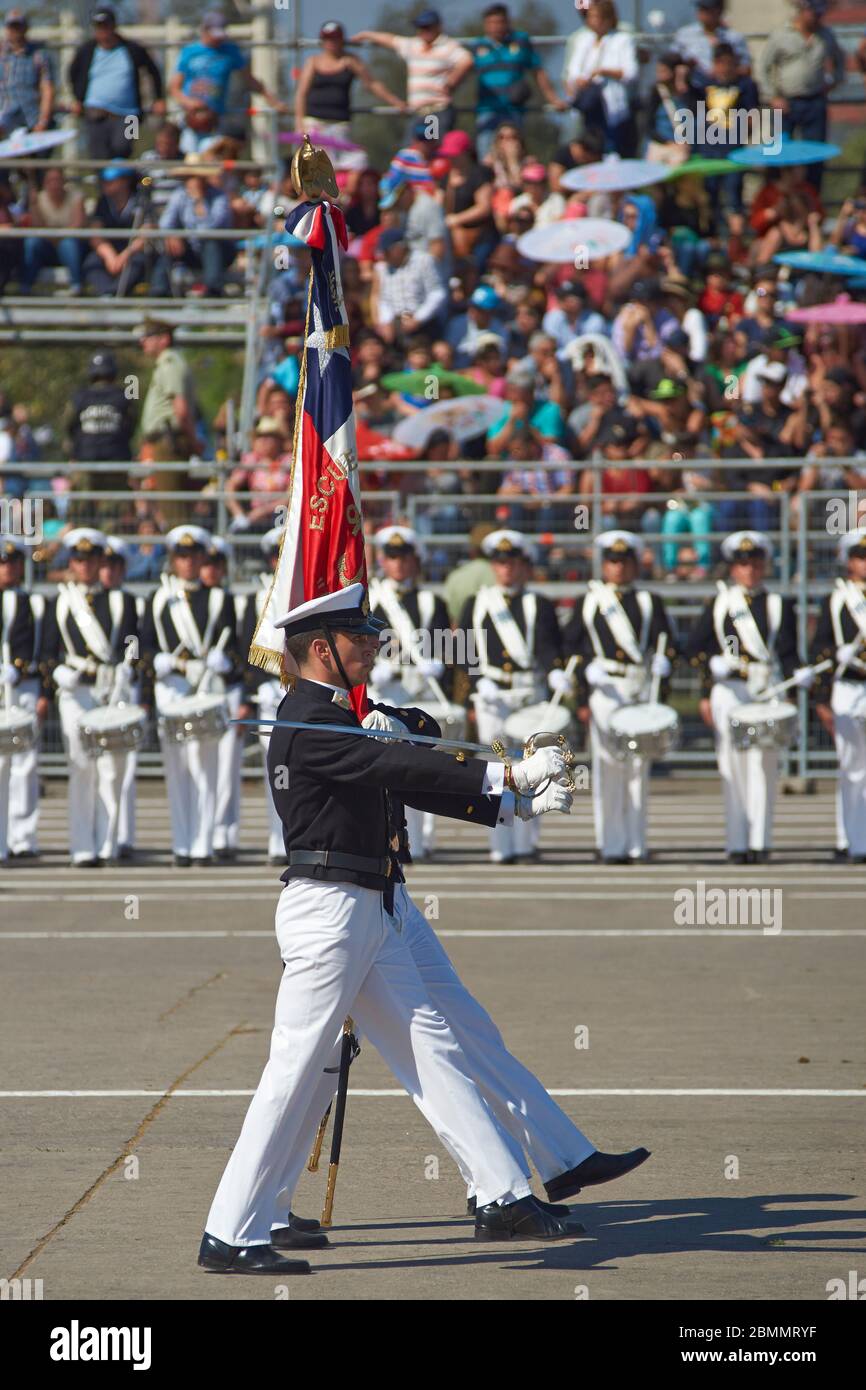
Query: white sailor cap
{"points": [[396, 540], [116, 549], [84, 540], [740, 544], [347, 610], [218, 548], [614, 544], [188, 538], [507, 545], [271, 540], [10, 546], [852, 540]]}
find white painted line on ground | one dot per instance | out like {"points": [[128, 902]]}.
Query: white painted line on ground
{"points": [[659, 1091]]}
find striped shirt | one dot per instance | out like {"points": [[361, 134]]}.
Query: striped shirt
{"points": [[428, 67]]}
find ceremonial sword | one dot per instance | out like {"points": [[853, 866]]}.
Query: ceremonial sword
{"points": [[497, 749]]}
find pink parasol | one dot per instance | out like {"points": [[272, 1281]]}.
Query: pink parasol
{"points": [[327, 142], [842, 309]]}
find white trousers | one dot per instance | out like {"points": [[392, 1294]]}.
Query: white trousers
{"points": [[270, 696], [19, 785], [230, 751], [126, 820], [191, 768], [515, 1096], [749, 775], [521, 837], [93, 784], [620, 788], [341, 956], [848, 702]]}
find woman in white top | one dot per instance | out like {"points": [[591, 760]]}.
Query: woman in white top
{"points": [[600, 68]]}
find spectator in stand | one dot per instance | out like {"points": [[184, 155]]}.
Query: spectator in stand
{"points": [[505, 159], [166, 147], [671, 94], [761, 305], [643, 323], [205, 69], [105, 77], [727, 93], [407, 293], [524, 413], [265, 472], [526, 479], [546, 207], [796, 228], [169, 413], [11, 248], [197, 206], [573, 316], [488, 364], [781, 184], [696, 42], [114, 267], [585, 148], [26, 80], [467, 200], [419, 213], [553, 376], [200, 129], [464, 330], [362, 213], [57, 206], [323, 95], [780, 346], [767, 429], [849, 234], [616, 445], [435, 66], [505, 59], [598, 409], [99, 425], [600, 73], [799, 66]]}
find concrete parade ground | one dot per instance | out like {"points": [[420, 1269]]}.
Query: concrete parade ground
{"points": [[137, 1003]]}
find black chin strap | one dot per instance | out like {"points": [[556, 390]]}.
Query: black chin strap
{"points": [[336, 655]]}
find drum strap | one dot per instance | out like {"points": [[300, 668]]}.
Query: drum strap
{"points": [[848, 595], [71, 603], [490, 603], [37, 608], [116, 606], [8, 611], [731, 602], [216, 607], [609, 607]]}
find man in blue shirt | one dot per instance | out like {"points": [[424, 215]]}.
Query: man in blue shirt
{"points": [[205, 69], [105, 77], [504, 59], [696, 42]]}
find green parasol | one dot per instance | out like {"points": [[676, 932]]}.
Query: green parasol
{"points": [[418, 383]]}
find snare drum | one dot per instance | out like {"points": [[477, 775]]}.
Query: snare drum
{"points": [[768, 724], [643, 731], [536, 719], [195, 716], [451, 719], [111, 729], [17, 731]]}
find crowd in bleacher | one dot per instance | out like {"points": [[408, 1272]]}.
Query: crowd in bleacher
{"points": [[675, 351]]}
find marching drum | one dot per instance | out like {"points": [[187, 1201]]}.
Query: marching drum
{"points": [[533, 719], [195, 716], [111, 729], [764, 724], [643, 731], [17, 731]]}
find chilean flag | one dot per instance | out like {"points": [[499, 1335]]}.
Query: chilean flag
{"points": [[323, 542]]}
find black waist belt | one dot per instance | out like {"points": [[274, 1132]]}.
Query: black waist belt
{"points": [[333, 859]]}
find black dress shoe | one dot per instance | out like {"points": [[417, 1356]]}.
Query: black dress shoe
{"points": [[597, 1168], [759, 856], [856, 858], [738, 856], [614, 859], [87, 863], [224, 856], [125, 853], [304, 1223], [523, 1220], [203, 861], [552, 1208], [288, 1238], [182, 861], [219, 1258], [24, 854], [841, 856]]}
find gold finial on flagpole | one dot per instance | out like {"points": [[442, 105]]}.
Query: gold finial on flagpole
{"points": [[312, 173]]}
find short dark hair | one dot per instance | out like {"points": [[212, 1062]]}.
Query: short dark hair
{"points": [[494, 9], [298, 646], [724, 50]]}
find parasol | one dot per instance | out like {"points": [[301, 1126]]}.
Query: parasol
{"points": [[590, 238], [418, 383], [614, 175], [786, 152], [462, 418], [842, 309]]}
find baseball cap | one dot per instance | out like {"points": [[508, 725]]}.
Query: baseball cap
{"points": [[571, 287], [621, 431], [330, 29], [102, 364], [426, 18], [117, 171], [214, 21], [103, 14], [668, 390], [485, 297], [17, 17], [455, 143]]}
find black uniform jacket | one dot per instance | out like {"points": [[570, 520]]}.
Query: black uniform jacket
{"points": [[577, 640], [440, 646], [23, 629], [547, 646], [55, 650], [824, 647], [333, 792], [704, 643]]}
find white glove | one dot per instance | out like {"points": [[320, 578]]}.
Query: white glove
{"points": [[65, 678], [239, 523], [430, 668], [559, 681], [803, 678], [532, 771], [660, 665], [487, 689], [378, 719], [163, 665], [383, 672], [848, 652], [553, 798], [218, 662], [9, 674], [595, 673], [722, 667]]}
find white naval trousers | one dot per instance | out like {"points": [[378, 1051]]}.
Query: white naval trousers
{"points": [[93, 784], [19, 785], [126, 819], [341, 956], [230, 752], [620, 787], [520, 837], [749, 775], [848, 702], [516, 1097], [270, 695], [191, 768]]}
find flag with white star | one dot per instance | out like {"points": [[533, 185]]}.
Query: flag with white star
{"points": [[323, 542]]}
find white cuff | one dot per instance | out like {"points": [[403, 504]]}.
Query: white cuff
{"points": [[494, 780], [506, 808]]}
